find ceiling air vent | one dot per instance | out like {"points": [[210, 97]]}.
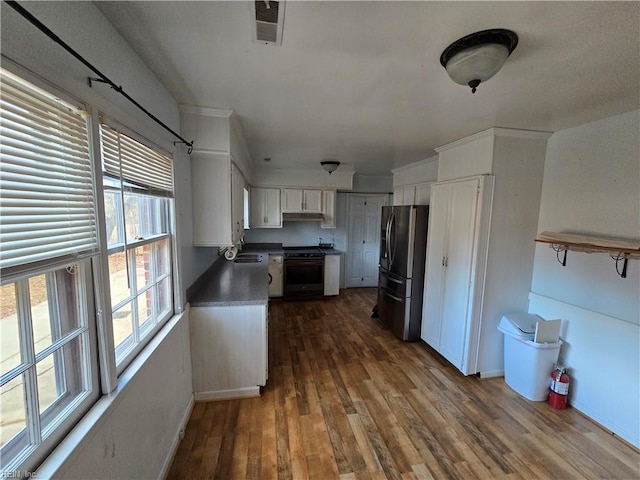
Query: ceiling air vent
{"points": [[268, 18]]}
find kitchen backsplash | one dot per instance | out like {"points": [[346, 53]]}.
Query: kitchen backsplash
{"points": [[297, 234]]}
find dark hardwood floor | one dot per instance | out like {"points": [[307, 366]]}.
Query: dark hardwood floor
{"points": [[345, 399]]}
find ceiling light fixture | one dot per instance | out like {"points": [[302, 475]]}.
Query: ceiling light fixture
{"points": [[330, 165], [478, 57]]}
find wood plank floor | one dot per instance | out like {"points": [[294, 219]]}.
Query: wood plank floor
{"points": [[347, 400]]}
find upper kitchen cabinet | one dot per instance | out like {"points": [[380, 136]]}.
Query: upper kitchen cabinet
{"points": [[412, 183], [220, 170], [264, 210], [329, 209], [218, 200], [296, 200]]}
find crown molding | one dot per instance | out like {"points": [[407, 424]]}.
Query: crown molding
{"points": [[207, 111], [497, 132]]}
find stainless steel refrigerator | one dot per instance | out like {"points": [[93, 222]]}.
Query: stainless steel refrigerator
{"points": [[403, 246]]}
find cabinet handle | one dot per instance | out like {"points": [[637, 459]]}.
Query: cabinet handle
{"points": [[445, 261]]}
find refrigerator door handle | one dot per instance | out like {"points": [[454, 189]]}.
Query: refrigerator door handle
{"points": [[392, 297], [387, 238], [394, 280], [392, 239]]}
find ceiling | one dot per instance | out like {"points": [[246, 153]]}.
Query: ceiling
{"points": [[361, 81]]}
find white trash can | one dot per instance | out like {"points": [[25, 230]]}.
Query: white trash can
{"points": [[527, 364]]}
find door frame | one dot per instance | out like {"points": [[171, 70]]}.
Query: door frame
{"points": [[388, 197]]}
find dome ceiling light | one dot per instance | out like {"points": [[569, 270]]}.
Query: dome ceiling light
{"points": [[330, 165], [478, 57]]}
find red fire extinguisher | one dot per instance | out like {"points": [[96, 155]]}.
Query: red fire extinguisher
{"points": [[559, 387]]}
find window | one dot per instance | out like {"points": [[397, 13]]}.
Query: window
{"points": [[48, 367], [138, 209]]}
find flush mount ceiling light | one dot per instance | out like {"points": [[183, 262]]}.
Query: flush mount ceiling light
{"points": [[478, 57], [330, 165]]}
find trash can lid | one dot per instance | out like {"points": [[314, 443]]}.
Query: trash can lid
{"points": [[519, 324]]}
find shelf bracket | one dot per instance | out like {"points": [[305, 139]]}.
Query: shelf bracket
{"points": [[560, 248], [625, 260]]}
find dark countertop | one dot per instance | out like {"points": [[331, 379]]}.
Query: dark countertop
{"points": [[227, 283]]}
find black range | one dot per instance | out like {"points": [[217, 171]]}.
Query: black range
{"points": [[303, 272]]}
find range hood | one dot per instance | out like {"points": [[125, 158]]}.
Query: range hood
{"points": [[302, 217]]}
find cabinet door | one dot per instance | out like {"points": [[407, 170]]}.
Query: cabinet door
{"points": [[256, 209], [272, 211], [237, 204], [329, 208], [458, 265], [291, 200], [331, 274], [211, 197], [434, 276], [423, 192], [397, 196], [408, 195], [312, 201]]}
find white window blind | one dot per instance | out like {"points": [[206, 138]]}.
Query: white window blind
{"points": [[47, 207], [125, 158]]}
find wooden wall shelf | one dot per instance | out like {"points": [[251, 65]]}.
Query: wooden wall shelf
{"points": [[621, 250]]}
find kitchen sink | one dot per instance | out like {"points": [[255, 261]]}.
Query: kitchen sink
{"points": [[248, 258]]}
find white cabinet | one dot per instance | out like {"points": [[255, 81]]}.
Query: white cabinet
{"points": [[423, 194], [412, 194], [456, 262], [329, 209], [275, 276], [265, 209], [218, 200], [229, 353], [331, 275], [237, 204], [404, 195], [296, 200]]}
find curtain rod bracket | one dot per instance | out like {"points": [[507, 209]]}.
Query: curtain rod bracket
{"points": [[188, 144], [117, 88]]}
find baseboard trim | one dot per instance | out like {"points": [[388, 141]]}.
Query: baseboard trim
{"points": [[228, 394], [492, 373], [177, 438]]}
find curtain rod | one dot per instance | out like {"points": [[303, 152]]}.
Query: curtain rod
{"points": [[102, 77]]}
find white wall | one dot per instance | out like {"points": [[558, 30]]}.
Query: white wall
{"points": [[133, 432], [592, 185], [130, 433], [372, 183]]}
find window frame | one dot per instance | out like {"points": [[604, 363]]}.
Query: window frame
{"points": [[21, 452], [120, 363], [102, 370]]}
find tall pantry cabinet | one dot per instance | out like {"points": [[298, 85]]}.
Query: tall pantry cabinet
{"points": [[459, 215], [483, 221]]}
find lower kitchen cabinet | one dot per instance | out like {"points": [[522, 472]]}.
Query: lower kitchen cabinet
{"points": [[331, 275], [229, 350]]}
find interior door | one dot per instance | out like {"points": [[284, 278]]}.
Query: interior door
{"points": [[363, 247]]}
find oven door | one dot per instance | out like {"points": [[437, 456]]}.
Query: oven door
{"points": [[303, 278]]}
